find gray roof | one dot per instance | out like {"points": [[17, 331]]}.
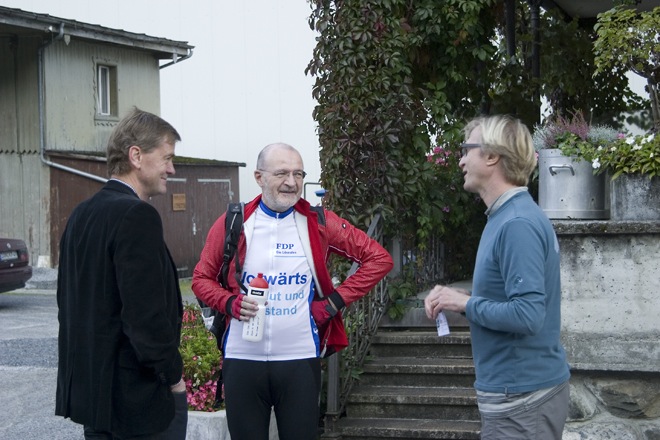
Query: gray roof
{"points": [[23, 22]]}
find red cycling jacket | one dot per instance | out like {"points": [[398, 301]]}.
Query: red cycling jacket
{"points": [[336, 236]]}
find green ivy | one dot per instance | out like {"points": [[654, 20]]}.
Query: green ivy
{"points": [[628, 39], [395, 79]]}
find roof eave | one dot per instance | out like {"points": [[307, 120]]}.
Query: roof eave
{"points": [[163, 48]]}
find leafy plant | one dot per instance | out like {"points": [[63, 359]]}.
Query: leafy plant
{"points": [[201, 360], [629, 155], [574, 136], [387, 81], [603, 146], [628, 40], [399, 290], [395, 78]]}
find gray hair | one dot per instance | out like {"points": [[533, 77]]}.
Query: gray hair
{"points": [[509, 138]]}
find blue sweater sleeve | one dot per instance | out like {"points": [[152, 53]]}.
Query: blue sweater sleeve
{"points": [[519, 253]]}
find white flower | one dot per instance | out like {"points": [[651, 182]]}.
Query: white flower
{"points": [[600, 148], [636, 147], [613, 149], [630, 140], [648, 138], [595, 164]]}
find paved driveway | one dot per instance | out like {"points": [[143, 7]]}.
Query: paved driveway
{"points": [[28, 368]]}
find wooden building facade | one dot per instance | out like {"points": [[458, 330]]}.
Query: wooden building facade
{"points": [[197, 195], [64, 85]]}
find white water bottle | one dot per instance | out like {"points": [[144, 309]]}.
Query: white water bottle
{"points": [[253, 330]]}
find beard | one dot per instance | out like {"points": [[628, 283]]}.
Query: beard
{"points": [[280, 201]]}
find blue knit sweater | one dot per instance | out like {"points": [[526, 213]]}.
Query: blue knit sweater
{"points": [[514, 311]]}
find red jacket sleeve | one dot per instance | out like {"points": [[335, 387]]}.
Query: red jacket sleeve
{"points": [[205, 282], [354, 244]]}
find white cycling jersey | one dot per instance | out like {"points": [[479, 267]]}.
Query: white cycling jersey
{"points": [[274, 249]]}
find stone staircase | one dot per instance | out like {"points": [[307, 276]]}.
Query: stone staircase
{"points": [[415, 385]]}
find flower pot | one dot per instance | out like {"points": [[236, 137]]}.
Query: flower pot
{"points": [[207, 425], [568, 188], [213, 425], [635, 197]]}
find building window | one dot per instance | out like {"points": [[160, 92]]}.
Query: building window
{"points": [[106, 81]]}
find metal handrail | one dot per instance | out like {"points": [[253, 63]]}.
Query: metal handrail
{"points": [[361, 319]]}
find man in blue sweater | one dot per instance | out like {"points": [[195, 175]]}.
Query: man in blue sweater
{"points": [[514, 307]]}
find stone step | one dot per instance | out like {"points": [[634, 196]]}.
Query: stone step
{"points": [[395, 401], [407, 371], [421, 343], [415, 385], [408, 429]]}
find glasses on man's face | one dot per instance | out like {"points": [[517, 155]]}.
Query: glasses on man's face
{"points": [[466, 147], [283, 174]]}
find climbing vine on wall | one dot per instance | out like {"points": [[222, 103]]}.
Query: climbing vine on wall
{"points": [[395, 79]]}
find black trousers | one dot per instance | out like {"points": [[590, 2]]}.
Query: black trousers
{"points": [[291, 388], [176, 430]]}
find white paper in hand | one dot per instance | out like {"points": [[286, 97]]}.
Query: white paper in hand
{"points": [[443, 326]]}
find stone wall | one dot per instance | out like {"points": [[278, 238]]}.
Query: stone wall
{"points": [[610, 328]]}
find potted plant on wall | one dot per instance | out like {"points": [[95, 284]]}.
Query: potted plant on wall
{"points": [[568, 186], [633, 162], [628, 40], [579, 163]]}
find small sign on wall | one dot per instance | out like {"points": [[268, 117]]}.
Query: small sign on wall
{"points": [[178, 202]]}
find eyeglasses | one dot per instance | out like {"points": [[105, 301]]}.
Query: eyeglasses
{"points": [[466, 147], [283, 174]]}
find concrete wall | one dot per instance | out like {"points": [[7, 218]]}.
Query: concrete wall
{"points": [[610, 328], [610, 294]]}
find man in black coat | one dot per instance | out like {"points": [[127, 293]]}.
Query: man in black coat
{"points": [[120, 309]]}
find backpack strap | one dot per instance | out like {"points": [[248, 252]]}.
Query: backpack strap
{"points": [[233, 228], [320, 214]]}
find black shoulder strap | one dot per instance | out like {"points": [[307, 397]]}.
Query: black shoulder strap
{"points": [[233, 227], [320, 214]]}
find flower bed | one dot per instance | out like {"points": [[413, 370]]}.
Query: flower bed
{"points": [[202, 361]]}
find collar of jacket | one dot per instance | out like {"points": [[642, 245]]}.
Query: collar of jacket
{"points": [[308, 229]]}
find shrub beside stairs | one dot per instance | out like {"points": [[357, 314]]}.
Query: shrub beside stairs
{"points": [[415, 385]]}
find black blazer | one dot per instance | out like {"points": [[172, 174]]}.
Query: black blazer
{"points": [[120, 316]]}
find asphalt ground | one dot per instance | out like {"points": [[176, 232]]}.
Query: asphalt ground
{"points": [[28, 367]]}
